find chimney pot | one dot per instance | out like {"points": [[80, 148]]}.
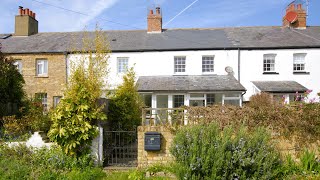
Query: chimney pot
{"points": [[151, 11], [34, 15], [27, 11], [299, 6], [30, 13], [158, 10], [20, 10]]}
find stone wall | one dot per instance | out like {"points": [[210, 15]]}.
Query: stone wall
{"points": [[53, 84], [146, 158]]}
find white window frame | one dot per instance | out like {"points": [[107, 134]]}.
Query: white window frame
{"points": [[42, 67], [18, 64], [269, 63], [207, 64], [299, 62], [122, 64], [180, 64]]}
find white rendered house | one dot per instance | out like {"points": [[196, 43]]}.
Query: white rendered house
{"points": [[200, 67]]}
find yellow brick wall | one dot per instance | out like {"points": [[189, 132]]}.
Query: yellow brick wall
{"points": [[53, 84], [146, 158]]}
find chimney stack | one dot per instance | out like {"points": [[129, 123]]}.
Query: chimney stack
{"points": [[155, 21], [296, 17], [25, 23]]}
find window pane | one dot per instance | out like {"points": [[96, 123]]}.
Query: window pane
{"points": [[210, 99], [42, 67], [178, 101], [122, 64], [207, 63], [299, 62], [42, 97], [197, 102], [269, 62], [56, 100], [196, 95], [232, 102], [180, 64]]}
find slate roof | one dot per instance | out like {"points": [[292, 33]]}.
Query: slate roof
{"points": [[188, 83], [172, 39], [279, 86]]}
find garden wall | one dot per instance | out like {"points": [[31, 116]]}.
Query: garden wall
{"points": [[146, 158]]}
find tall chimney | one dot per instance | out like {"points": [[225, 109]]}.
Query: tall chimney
{"points": [[155, 21], [25, 23], [296, 13]]}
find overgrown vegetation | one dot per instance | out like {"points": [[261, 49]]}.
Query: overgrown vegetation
{"points": [[23, 163], [207, 152], [75, 118], [11, 88], [125, 106], [300, 120]]}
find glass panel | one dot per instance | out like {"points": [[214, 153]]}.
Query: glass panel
{"points": [[147, 99], [210, 99], [196, 95], [231, 95], [197, 103], [178, 101], [162, 101], [56, 100], [232, 102]]}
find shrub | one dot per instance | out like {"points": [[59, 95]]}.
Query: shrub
{"points": [[32, 119], [21, 162], [75, 118], [125, 106], [207, 152]]}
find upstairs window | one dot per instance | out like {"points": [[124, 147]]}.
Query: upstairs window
{"points": [[18, 64], [269, 62], [179, 64], [122, 64], [207, 64], [299, 62], [42, 67]]}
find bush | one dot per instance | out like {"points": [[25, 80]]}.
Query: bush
{"points": [[21, 162], [207, 152], [32, 119], [125, 106]]}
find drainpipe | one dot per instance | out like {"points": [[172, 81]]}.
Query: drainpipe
{"points": [[67, 67], [239, 61]]}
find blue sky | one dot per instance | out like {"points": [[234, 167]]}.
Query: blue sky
{"points": [[131, 14]]}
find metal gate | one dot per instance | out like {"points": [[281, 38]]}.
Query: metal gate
{"points": [[120, 148]]}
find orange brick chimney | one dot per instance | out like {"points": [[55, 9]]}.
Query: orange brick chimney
{"points": [[295, 17], [155, 21], [25, 23]]}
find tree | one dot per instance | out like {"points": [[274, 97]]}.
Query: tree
{"points": [[125, 106], [76, 116], [11, 87]]}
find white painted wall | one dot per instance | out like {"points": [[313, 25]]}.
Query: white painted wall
{"points": [[252, 69], [251, 66], [162, 63]]}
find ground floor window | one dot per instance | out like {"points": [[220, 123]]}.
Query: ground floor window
{"points": [[56, 101], [42, 97], [178, 101]]}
